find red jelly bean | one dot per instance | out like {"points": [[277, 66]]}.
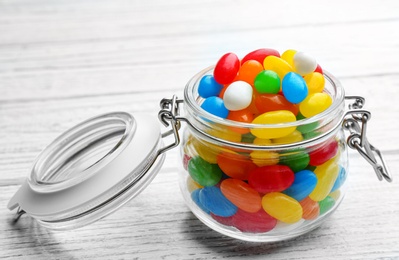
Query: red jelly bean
{"points": [[323, 153], [272, 102], [259, 55], [235, 165], [271, 178], [319, 69], [226, 68], [257, 222]]}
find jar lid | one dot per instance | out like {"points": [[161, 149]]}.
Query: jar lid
{"points": [[91, 170]]}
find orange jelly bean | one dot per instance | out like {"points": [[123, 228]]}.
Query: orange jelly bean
{"points": [[249, 70], [241, 194], [235, 165], [272, 102], [311, 209], [244, 116]]}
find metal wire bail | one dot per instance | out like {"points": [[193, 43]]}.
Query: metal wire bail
{"points": [[355, 121]]}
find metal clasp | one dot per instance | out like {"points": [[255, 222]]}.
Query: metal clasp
{"points": [[168, 116], [355, 121]]}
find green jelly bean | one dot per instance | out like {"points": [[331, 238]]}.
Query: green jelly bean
{"points": [[307, 128], [267, 82], [297, 159], [326, 204], [204, 173], [247, 138]]}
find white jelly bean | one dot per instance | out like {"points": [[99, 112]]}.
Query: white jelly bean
{"points": [[304, 63], [237, 96]]}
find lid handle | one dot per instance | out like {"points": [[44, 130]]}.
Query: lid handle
{"points": [[355, 121]]}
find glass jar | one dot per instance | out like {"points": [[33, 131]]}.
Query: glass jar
{"points": [[252, 182], [265, 182]]}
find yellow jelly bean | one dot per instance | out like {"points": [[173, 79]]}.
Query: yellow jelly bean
{"points": [[263, 158], [315, 82], [206, 150], [282, 207], [335, 195], [262, 142], [294, 137], [274, 117], [326, 175], [314, 104], [192, 185], [225, 134], [278, 65], [288, 56]]}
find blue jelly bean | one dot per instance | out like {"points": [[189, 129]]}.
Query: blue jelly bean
{"points": [[340, 179], [294, 87], [208, 87], [195, 198], [304, 183], [215, 106], [213, 200]]}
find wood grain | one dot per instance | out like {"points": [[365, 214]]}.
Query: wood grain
{"points": [[64, 61]]}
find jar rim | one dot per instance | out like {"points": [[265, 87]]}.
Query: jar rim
{"points": [[190, 99]]}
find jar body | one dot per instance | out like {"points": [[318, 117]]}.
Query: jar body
{"points": [[256, 188]]}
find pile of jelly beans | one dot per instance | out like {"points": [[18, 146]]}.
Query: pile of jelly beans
{"points": [[260, 191], [265, 88]]}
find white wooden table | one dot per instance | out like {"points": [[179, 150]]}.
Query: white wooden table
{"points": [[67, 60]]}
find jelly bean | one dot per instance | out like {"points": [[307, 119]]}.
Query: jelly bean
{"points": [[227, 221], [297, 159], [226, 68], [260, 141], [192, 185], [271, 178], [237, 96], [288, 56], [335, 195], [294, 88], [186, 159], [260, 55], [326, 204], [306, 128], [319, 69], [278, 65], [311, 209], [274, 117], [326, 175], [304, 63], [195, 197], [204, 173], [267, 82], [258, 222], [294, 137], [215, 106], [323, 152], [282, 207], [208, 87], [241, 194], [264, 158], [225, 134], [315, 104], [243, 116], [247, 138], [315, 82], [205, 150], [249, 70], [235, 165], [340, 179], [213, 200], [269, 102], [304, 183]]}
